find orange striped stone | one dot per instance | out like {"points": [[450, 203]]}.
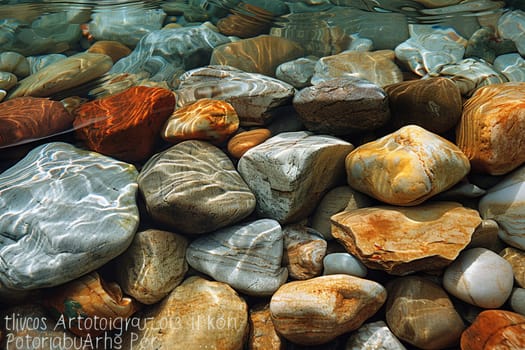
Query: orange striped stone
{"points": [[243, 141], [206, 119], [113, 49], [125, 125]]}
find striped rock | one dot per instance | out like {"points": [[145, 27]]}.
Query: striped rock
{"points": [[206, 119]]}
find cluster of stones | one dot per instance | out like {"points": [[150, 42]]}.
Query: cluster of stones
{"points": [[186, 189]]}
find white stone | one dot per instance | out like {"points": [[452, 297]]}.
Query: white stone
{"points": [[290, 172], [480, 277], [344, 263], [512, 66], [374, 336]]}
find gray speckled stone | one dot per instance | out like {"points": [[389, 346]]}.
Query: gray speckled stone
{"points": [[193, 188], [345, 263], [290, 172], [374, 336], [247, 257], [63, 213], [153, 265]]}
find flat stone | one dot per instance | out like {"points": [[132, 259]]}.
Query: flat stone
{"points": [[435, 104], [72, 200], [114, 49], [246, 256], [297, 72], [516, 258], [78, 303], [262, 332], [420, 312], [320, 309], [403, 240], [336, 200], [240, 143], [63, 75], [495, 329], [407, 167], [374, 336], [137, 114], [304, 251], [377, 67], [504, 204], [153, 265], [290, 172], [342, 106], [206, 119], [26, 119], [163, 55], [261, 54], [198, 313], [343, 263], [490, 132], [246, 20], [193, 188], [37, 63], [480, 267], [252, 95]]}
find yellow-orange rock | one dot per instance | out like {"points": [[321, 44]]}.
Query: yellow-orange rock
{"points": [[491, 132], [25, 119], [113, 49], [261, 54], [402, 240], [243, 141], [125, 125], [262, 332], [90, 305], [495, 329], [206, 119]]}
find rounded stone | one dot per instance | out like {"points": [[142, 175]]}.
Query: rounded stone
{"points": [[374, 336], [477, 267], [516, 258], [7, 80], [244, 141], [262, 332], [343, 263], [113, 49], [517, 301], [320, 309]]}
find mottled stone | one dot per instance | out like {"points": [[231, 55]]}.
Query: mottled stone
{"points": [[479, 267], [490, 132], [25, 119], [194, 188], [163, 55], [402, 240], [197, 314], [206, 119], [516, 258], [81, 301], [320, 309], [304, 251], [290, 172], [153, 265], [428, 51], [376, 66], [37, 63], [246, 256], [511, 26], [63, 75], [485, 44], [406, 167], [15, 63], [27, 325], [71, 201], [244, 141], [471, 74], [420, 312], [434, 104], [261, 54], [297, 72], [7, 80], [512, 66], [113, 49], [337, 263], [125, 125], [252, 95], [374, 336], [504, 204], [495, 329], [336, 200], [125, 24], [262, 332], [342, 106]]}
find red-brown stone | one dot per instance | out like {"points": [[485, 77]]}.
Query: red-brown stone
{"points": [[127, 125], [495, 329], [24, 119]]}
